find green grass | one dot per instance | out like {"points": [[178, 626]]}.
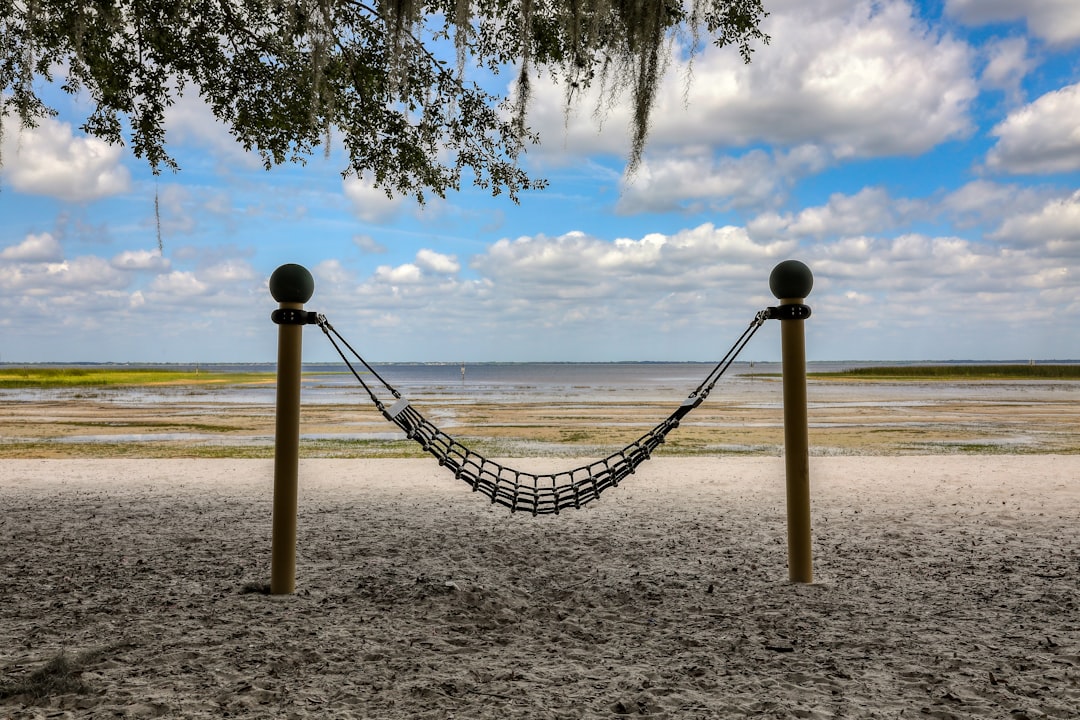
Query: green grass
{"points": [[53, 377], [958, 372]]}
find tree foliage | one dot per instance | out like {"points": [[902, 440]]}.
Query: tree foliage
{"points": [[390, 78]]}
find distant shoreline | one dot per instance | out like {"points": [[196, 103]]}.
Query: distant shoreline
{"points": [[313, 365], [957, 372]]}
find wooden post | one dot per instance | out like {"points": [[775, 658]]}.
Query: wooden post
{"points": [[791, 281], [291, 286]]}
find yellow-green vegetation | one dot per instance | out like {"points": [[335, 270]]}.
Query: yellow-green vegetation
{"points": [[38, 449], [957, 372], [59, 377]]}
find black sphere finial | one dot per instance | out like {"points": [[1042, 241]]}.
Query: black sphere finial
{"points": [[292, 283], [791, 279]]}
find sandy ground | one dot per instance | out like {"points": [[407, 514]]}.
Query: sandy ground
{"points": [[947, 587]]}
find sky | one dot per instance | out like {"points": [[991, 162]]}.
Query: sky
{"points": [[922, 158]]}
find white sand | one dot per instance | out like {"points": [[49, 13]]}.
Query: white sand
{"points": [[947, 588]]}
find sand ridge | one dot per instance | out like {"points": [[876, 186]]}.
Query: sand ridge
{"points": [[946, 587]]}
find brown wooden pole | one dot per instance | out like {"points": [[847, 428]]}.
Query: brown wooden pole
{"points": [[291, 286], [791, 282]]}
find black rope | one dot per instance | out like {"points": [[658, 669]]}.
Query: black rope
{"points": [[721, 367], [327, 328]]}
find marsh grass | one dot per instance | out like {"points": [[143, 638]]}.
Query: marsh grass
{"points": [[214, 451], [54, 377], [158, 425], [957, 372]]}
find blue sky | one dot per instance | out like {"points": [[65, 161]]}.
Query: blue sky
{"points": [[922, 158]]}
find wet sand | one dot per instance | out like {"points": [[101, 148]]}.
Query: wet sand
{"points": [[946, 587]]}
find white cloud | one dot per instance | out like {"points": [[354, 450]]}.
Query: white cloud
{"points": [[368, 244], [1056, 225], [870, 81], [230, 271], [691, 178], [1042, 137], [1007, 64], [919, 273], [982, 201], [40, 248], [189, 120], [427, 264], [330, 272], [50, 160], [533, 294], [92, 308], [140, 260], [370, 203], [84, 274], [871, 210], [576, 265], [860, 78], [407, 273], [437, 262], [1056, 21], [178, 285]]}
